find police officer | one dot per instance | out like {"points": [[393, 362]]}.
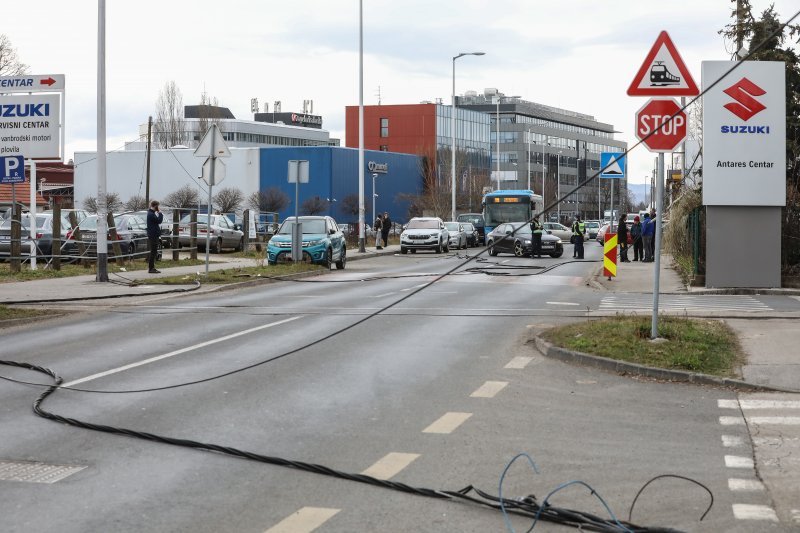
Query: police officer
{"points": [[536, 229], [579, 231]]}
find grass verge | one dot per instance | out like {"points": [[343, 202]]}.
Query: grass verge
{"points": [[235, 275], [704, 346], [11, 313], [68, 270]]}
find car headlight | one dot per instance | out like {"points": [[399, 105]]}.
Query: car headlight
{"points": [[527, 241], [314, 243], [558, 241]]}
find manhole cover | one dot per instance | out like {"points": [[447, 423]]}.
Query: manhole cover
{"points": [[35, 472]]}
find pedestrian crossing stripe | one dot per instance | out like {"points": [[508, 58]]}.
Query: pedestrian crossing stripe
{"points": [[680, 302], [610, 255]]}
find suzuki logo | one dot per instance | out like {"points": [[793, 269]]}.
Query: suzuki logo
{"points": [[745, 106]]}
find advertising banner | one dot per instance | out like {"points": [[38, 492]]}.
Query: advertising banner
{"points": [[29, 126], [744, 134]]}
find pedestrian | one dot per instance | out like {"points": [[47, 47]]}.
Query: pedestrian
{"points": [[647, 238], [579, 231], [386, 227], [378, 232], [536, 229], [622, 239], [154, 220], [636, 236]]}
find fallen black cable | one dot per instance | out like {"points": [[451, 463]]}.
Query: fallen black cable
{"points": [[107, 297], [528, 506]]}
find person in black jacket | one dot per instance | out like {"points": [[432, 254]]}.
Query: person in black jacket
{"points": [[622, 239], [154, 220], [386, 227]]}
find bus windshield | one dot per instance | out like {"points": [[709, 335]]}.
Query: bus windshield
{"points": [[501, 207]]}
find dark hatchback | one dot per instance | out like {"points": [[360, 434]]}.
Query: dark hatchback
{"points": [[503, 239], [476, 219]]}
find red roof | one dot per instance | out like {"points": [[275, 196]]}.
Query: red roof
{"points": [[23, 191]]}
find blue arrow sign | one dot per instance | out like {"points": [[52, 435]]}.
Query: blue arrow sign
{"points": [[12, 169], [612, 164]]}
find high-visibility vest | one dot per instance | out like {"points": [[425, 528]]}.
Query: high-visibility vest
{"points": [[536, 226], [578, 228]]}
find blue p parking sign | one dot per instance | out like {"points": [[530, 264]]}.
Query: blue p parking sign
{"points": [[12, 169]]}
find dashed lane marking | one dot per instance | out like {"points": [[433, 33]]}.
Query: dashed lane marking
{"points": [[414, 287], [448, 423], [745, 485], [489, 389], [738, 461], [390, 465], [519, 362], [562, 303], [384, 295], [178, 352], [305, 520], [744, 511]]}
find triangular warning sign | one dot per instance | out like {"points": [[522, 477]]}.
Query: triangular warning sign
{"points": [[663, 72]]}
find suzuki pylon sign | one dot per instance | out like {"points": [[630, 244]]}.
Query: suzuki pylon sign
{"points": [[661, 125]]}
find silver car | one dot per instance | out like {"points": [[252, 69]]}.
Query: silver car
{"points": [[223, 233], [458, 237], [424, 233]]}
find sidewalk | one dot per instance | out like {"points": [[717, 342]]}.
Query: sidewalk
{"points": [[770, 344], [79, 288]]}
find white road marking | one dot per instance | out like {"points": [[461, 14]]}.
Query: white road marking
{"points": [[177, 352], [414, 287], [796, 512], [305, 520], [390, 465], [448, 423], [731, 441], [745, 485], [731, 420], [769, 404], [562, 303], [774, 420], [744, 511], [383, 295], [728, 404], [489, 389], [519, 362], [738, 461]]}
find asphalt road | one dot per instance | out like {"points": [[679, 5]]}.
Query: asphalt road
{"points": [[438, 391]]}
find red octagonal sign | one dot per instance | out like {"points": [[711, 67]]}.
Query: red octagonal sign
{"points": [[661, 125]]}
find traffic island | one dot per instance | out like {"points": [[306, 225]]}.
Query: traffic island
{"points": [[690, 350]]}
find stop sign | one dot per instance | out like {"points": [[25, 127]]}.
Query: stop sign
{"points": [[661, 124]]}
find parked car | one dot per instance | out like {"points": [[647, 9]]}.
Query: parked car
{"points": [[601, 234], [44, 236], [425, 233], [223, 233], [458, 237], [504, 239], [476, 219], [473, 238], [166, 226], [323, 242], [559, 230], [131, 233]]}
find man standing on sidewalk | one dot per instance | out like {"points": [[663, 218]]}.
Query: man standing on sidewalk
{"points": [[154, 219], [648, 230]]}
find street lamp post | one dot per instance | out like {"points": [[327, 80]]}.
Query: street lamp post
{"points": [[497, 134], [453, 134], [529, 160], [374, 195], [558, 184]]}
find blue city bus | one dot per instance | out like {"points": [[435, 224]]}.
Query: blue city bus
{"points": [[500, 207]]}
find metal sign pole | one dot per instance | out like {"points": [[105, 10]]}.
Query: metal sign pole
{"points": [[32, 214], [210, 186], [657, 256]]}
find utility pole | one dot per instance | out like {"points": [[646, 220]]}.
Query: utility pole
{"points": [[149, 144]]}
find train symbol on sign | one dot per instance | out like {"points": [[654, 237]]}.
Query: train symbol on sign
{"points": [[660, 76]]}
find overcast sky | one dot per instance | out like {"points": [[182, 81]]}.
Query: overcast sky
{"points": [[579, 55]]}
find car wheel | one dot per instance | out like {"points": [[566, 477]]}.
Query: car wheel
{"points": [[342, 259], [413, 251], [557, 255], [329, 258], [438, 249], [492, 250], [403, 250], [519, 250], [217, 247]]}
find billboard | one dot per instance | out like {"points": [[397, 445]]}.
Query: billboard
{"points": [[30, 126], [744, 133]]}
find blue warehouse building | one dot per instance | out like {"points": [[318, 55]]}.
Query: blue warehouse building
{"points": [[333, 175]]}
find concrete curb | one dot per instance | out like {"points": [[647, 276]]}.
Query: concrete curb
{"points": [[622, 367]]}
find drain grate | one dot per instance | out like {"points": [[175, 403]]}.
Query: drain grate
{"points": [[35, 472]]}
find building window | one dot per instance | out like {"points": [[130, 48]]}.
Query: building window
{"points": [[384, 148], [384, 127]]}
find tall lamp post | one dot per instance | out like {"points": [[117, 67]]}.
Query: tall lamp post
{"points": [[529, 161], [374, 195], [558, 183], [453, 133]]}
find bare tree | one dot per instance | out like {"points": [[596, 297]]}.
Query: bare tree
{"points": [[314, 206], [349, 206], [113, 203], [229, 199], [10, 65], [169, 126], [208, 114], [185, 197], [136, 203], [272, 200]]}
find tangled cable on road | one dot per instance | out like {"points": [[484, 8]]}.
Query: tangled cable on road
{"points": [[527, 506]]}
